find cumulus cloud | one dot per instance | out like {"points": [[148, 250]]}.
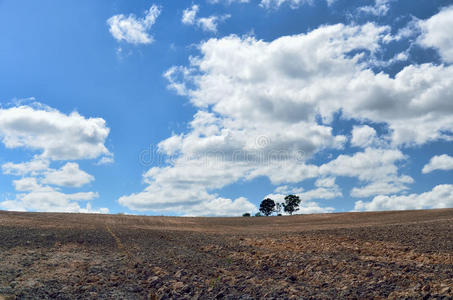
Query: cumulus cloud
{"points": [[440, 196], [384, 187], [441, 162], [58, 136], [363, 136], [369, 165], [132, 29], [37, 197], [210, 23], [376, 168], [288, 190], [293, 4], [184, 188], [33, 195], [380, 8], [297, 77], [26, 184], [106, 160], [49, 200], [32, 167], [277, 3], [69, 175], [221, 207], [436, 33], [266, 108], [189, 17]]}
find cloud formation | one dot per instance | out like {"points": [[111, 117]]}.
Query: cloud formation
{"points": [[277, 3], [56, 137], [37, 197], [363, 136], [267, 109], [69, 175], [436, 33], [441, 196], [380, 8], [441, 162], [132, 29], [189, 17]]}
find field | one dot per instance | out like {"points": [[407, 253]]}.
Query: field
{"points": [[397, 255]]}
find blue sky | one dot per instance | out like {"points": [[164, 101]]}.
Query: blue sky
{"points": [[208, 107]]}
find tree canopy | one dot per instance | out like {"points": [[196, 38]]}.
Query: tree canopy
{"points": [[267, 206], [291, 204]]}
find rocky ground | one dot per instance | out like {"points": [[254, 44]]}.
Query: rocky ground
{"points": [[396, 255]]}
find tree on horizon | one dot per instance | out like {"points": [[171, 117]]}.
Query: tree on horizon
{"points": [[267, 206], [291, 204]]}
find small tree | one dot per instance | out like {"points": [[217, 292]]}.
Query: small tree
{"points": [[246, 214], [258, 214], [267, 206], [291, 204]]}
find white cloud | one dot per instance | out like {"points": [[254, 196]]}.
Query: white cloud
{"points": [[363, 136], [389, 185], [58, 136], [32, 167], [436, 33], [69, 175], [286, 189], [26, 184], [326, 188], [184, 189], [440, 196], [380, 8], [374, 167], [106, 160], [440, 162], [292, 3], [210, 23], [189, 15], [132, 29], [47, 199], [221, 207], [34, 196], [369, 165], [265, 108], [294, 77]]}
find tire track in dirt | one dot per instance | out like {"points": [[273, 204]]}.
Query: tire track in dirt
{"points": [[119, 244], [131, 261]]}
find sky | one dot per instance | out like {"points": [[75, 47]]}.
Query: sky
{"points": [[205, 108]]}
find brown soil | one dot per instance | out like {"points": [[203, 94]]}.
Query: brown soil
{"points": [[397, 255]]}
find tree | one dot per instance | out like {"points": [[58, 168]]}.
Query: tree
{"points": [[291, 204], [246, 214], [267, 206], [258, 214]]}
